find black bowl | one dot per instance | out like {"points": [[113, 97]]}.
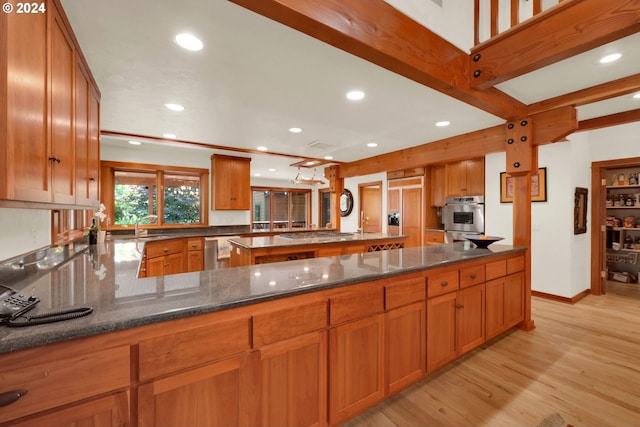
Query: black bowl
{"points": [[483, 241]]}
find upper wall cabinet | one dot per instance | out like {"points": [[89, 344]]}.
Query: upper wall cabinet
{"points": [[231, 182], [465, 178], [49, 105]]}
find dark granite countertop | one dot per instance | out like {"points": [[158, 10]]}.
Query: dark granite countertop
{"points": [[103, 277], [308, 238]]}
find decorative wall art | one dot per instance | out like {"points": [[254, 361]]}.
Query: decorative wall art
{"points": [[580, 211], [538, 187]]}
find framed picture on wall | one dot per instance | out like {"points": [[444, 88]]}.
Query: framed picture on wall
{"points": [[538, 187]]}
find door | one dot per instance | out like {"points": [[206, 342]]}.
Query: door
{"points": [[324, 215], [371, 207], [411, 217]]}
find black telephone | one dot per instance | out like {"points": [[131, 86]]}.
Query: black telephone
{"points": [[14, 304]]}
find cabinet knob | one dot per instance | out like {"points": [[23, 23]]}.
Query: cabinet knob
{"points": [[92, 179], [444, 284], [54, 159], [473, 276], [166, 249], [9, 397], [459, 306]]}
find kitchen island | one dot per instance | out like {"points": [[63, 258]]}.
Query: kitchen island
{"points": [[314, 244], [306, 342]]}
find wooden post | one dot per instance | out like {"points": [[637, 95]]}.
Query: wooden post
{"points": [[336, 186]]}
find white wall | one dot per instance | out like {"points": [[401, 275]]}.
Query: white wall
{"points": [[23, 230]]}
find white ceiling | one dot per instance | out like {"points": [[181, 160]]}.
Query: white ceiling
{"points": [[256, 78]]}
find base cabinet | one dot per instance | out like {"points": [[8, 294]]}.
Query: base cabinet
{"points": [[218, 394], [356, 367], [505, 303], [109, 411], [294, 382]]}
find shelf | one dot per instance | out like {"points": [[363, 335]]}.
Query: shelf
{"points": [[623, 207], [620, 187], [624, 228]]}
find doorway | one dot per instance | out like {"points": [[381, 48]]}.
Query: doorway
{"points": [[370, 220], [324, 205]]}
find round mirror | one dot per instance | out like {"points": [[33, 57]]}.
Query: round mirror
{"points": [[346, 202]]}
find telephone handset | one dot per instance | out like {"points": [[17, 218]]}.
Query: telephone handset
{"points": [[14, 304]]}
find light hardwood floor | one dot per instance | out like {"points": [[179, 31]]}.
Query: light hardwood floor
{"points": [[582, 362]]}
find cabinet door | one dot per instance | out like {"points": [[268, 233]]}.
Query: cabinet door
{"points": [[294, 382], [93, 160], [495, 322], [470, 318], [61, 87], [356, 367], [232, 183], [24, 173], [195, 261], [81, 118], [411, 217], [456, 179], [155, 267], [475, 177], [174, 264], [406, 346], [109, 411], [514, 299], [218, 394], [441, 331], [393, 200], [437, 185]]}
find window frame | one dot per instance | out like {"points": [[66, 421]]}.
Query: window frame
{"points": [[107, 190], [307, 192]]}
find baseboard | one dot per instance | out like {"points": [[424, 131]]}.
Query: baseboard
{"points": [[558, 298]]}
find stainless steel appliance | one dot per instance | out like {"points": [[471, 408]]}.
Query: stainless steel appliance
{"points": [[217, 251], [463, 216]]}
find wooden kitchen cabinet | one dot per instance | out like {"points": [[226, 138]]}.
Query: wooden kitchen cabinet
{"points": [[40, 78], [195, 254], [393, 200], [465, 178], [164, 257], [356, 350], [505, 303], [438, 185], [231, 182]]}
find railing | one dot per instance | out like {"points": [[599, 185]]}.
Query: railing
{"points": [[492, 17]]}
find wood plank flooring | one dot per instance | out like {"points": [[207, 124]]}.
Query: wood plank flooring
{"points": [[582, 362]]}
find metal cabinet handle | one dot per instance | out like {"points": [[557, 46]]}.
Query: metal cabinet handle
{"points": [[54, 159], [444, 283], [459, 306], [9, 397]]}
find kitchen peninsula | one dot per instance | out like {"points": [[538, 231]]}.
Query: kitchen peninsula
{"points": [[213, 347], [291, 246]]}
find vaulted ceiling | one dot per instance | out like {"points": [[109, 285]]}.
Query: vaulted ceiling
{"points": [[257, 78]]}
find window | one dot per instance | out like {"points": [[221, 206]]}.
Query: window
{"points": [[280, 208], [176, 195]]}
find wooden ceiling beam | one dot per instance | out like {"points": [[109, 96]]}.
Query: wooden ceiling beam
{"points": [[375, 31], [569, 28], [610, 120], [548, 127], [620, 87]]}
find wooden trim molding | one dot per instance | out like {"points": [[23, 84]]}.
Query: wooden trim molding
{"points": [[572, 300]]}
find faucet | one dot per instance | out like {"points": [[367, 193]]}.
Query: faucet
{"points": [[137, 226]]}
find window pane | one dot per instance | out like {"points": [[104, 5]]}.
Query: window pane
{"points": [[135, 196], [298, 210], [261, 206], [181, 199], [280, 209], [325, 208]]}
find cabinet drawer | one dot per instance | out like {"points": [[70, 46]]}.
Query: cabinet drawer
{"points": [[165, 247], [496, 269], [404, 290], [471, 276], [433, 237], [515, 264], [175, 352], [59, 381], [357, 303], [439, 283], [194, 244], [278, 325]]}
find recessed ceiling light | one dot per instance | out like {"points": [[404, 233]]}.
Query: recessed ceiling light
{"points": [[174, 107], [355, 95], [256, 174], [610, 58], [443, 123], [262, 148], [135, 142], [372, 144], [169, 135], [295, 130], [272, 170], [310, 163], [328, 157], [637, 95], [189, 41]]}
